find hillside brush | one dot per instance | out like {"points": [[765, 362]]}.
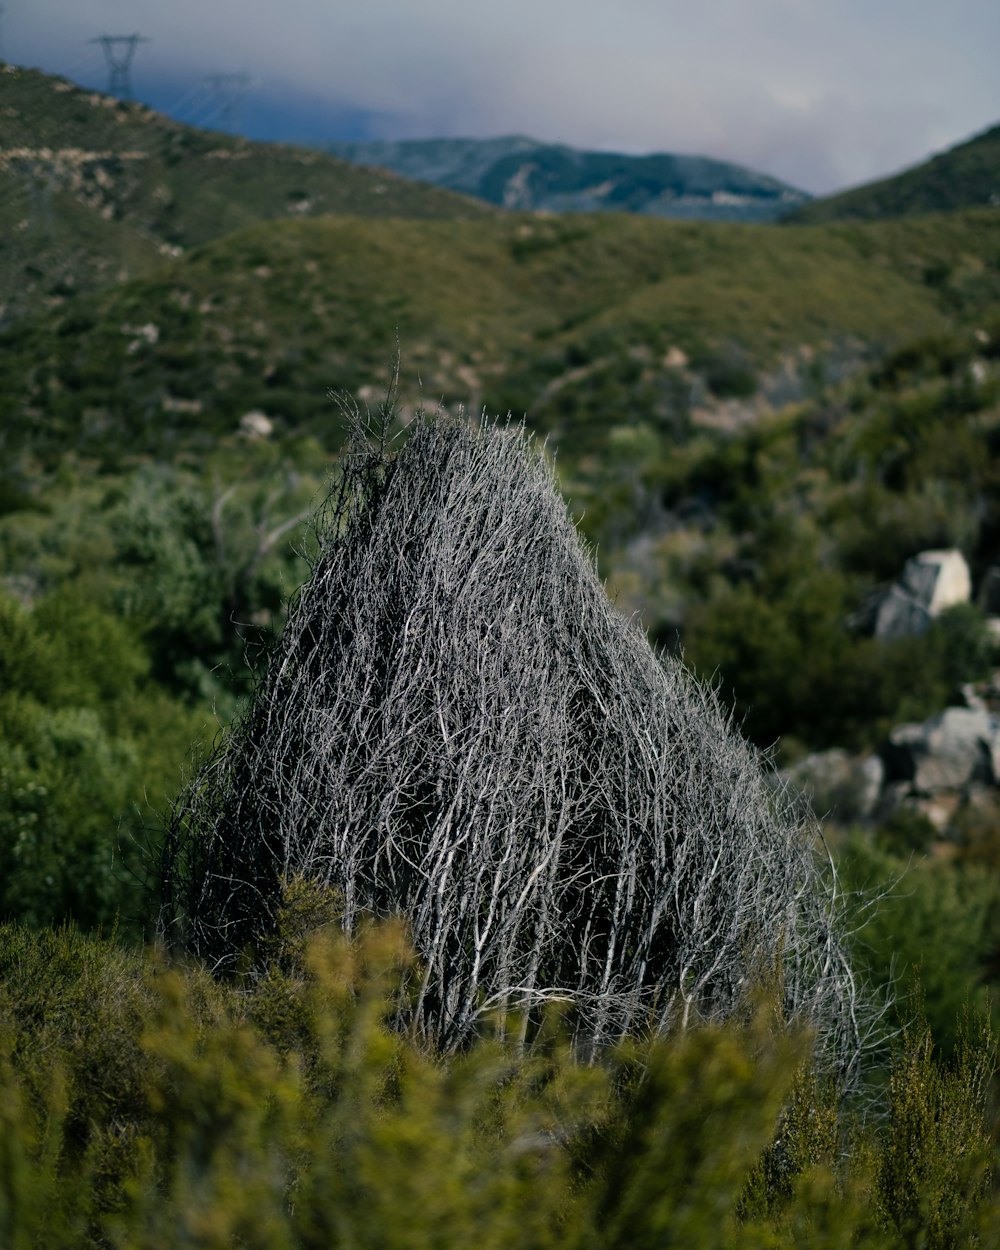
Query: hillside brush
{"points": [[458, 727]]}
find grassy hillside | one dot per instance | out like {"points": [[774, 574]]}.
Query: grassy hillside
{"points": [[963, 177], [654, 356], [92, 187], [578, 322]]}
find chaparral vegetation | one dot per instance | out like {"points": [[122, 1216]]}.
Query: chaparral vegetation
{"points": [[422, 875]]}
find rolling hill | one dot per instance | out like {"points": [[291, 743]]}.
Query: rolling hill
{"points": [[579, 321], [521, 173], [93, 189], [162, 282], [966, 176]]}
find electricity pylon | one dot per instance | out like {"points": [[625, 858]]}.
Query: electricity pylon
{"points": [[119, 51]]}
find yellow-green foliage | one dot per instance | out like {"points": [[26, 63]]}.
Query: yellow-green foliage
{"points": [[146, 1106], [936, 1163], [704, 1112]]}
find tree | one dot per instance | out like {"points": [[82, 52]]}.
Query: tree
{"points": [[457, 726]]}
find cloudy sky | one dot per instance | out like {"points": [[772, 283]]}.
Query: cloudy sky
{"points": [[822, 93]]}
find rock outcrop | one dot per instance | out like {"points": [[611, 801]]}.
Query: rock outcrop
{"points": [[931, 581], [840, 786], [938, 768], [948, 752]]}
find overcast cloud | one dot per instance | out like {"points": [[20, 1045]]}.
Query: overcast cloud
{"points": [[822, 93]]}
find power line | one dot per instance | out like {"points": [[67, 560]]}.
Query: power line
{"points": [[229, 90], [118, 52], [184, 101]]}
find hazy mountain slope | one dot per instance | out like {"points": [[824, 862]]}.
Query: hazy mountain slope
{"points": [[578, 321], [521, 173], [965, 176], [91, 186], [461, 164]]}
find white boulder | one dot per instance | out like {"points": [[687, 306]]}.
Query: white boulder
{"points": [[931, 581], [256, 424]]}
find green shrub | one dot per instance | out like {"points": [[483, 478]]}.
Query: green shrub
{"points": [[791, 666], [205, 572], [728, 374], [696, 1127], [935, 1163], [142, 1106], [90, 753], [64, 787], [933, 933]]}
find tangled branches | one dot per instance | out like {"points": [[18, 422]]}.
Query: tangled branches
{"points": [[457, 726]]}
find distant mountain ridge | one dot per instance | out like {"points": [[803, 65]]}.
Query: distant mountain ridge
{"points": [[520, 173], [965, 176]]}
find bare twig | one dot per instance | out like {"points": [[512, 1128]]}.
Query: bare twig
{"points": [[457, 726]]}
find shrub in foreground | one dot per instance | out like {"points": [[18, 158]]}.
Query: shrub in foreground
{"points": [[147, 1106], [456, 726]]}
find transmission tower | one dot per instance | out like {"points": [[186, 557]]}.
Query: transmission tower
{"points": [[118, 52], [229, 90]]}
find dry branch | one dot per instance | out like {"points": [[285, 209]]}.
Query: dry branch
{"points": [[457, 726]]}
